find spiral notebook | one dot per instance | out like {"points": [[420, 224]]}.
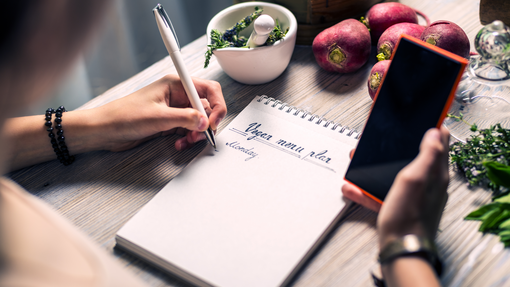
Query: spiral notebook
{"points": [[253, 211]]}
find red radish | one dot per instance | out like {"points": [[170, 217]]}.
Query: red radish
{"points": [[449, 36], [342, 48], [390, 37], [384, 15], [376, 76]]}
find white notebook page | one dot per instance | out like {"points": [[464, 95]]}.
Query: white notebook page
{"points": [[248, 213]]}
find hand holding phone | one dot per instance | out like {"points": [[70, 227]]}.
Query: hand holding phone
{"points": [[414, 96]]}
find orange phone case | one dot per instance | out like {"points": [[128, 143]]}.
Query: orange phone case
{"points": [[448, 54]]}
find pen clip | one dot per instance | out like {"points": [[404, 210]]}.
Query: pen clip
{"points": [[162, 13]]}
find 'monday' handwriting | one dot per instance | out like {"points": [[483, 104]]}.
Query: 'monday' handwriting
{"points": [[249, 151]]}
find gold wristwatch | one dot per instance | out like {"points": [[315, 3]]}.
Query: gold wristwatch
{"points": [[412, 245]]}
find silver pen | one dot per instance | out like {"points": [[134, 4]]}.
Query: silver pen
{"points": [[172, 45]]}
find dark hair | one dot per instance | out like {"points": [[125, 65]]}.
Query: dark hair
{"points": [[11, 18], [38, 41]]}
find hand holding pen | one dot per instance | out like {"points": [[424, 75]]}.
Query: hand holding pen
{"points": [[172, 45]]}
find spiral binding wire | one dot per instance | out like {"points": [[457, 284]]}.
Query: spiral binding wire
{"points": [[288, 109]]}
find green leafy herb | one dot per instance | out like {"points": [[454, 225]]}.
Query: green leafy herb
{"points": [[498, 173], [231, 37], [473, 128], [484, 160], [482, 148], [218, 43], [232, 34], [495, 218], [277, 34]]}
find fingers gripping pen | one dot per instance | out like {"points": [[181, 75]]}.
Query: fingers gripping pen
{"points": [[172, 45]]}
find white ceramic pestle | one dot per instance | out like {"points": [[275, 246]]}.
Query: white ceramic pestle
{"points": [[262, 26]]}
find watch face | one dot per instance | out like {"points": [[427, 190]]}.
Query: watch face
{"points": [[411, 243]]}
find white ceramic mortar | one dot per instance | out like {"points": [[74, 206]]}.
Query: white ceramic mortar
{"points": [[257, 65]]}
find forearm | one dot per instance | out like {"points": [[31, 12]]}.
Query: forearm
{"points": [[30, 144], [159, 109], [409, 271]]}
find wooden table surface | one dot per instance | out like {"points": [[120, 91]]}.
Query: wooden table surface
{"points": [[102, 190]]}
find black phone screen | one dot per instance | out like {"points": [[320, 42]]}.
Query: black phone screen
{"points": [[411, 100]]}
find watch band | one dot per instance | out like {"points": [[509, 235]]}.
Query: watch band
{"points": [[412, 245]]}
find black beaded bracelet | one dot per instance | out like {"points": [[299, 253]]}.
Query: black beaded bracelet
{"points": [[58, 143]]}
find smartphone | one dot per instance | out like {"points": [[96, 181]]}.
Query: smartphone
{"points": [[414, 96]]}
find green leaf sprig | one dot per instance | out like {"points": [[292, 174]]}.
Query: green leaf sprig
{"points": [[484, 160], [277, 34], [480, 152], [231, 37], [495, 218], [217, 43]]}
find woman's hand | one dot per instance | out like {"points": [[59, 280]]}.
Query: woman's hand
{"points": [[418, 195], [160, 109], [414, 205]]}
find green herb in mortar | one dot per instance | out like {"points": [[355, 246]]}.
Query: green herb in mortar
{"points": [[277, 34], [231, 37]]}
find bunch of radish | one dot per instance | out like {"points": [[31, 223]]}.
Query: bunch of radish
{"points": [[345, 47]]}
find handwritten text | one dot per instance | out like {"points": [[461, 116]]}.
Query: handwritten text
{"points": [[249, 151], [289, 145], [253, 129], [319, 156]]}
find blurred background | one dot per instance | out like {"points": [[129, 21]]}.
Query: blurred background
{"points": [[127, 42]]}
